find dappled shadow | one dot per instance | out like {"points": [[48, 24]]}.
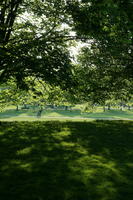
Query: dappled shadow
{"points": [[68, 161], [7, 114], [33, 114], [12, 113]]}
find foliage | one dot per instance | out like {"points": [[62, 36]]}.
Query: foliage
{"points": [[100, 77], [40, 94], [35, 37], [36, 44], [108, 24]]}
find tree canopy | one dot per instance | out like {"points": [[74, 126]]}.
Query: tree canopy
{"points": [[33, 41], [109, 23], [35, 36], [105, 66]]}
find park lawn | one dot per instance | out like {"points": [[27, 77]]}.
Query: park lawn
{"points": [[12, 114], [66, 160]]}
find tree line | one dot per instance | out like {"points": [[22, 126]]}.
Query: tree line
{"points": [[35, 37]]}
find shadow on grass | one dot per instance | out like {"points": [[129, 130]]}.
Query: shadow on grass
{"points": [[114, 114], [66, 161], [12, 113], [32, 113]]}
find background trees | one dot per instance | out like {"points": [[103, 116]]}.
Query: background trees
{"points": [[106, 65], [35, 37], [99, 77], [109, 24], [39, 95]]}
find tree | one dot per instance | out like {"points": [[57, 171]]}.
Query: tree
{"points": [[99, 78], [109, 24], [10, 94], [33, 41], [8, 13], [35, 37], [39, 95]]}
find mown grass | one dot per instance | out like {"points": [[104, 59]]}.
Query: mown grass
{"points": [[66, 160], [11, 114]]}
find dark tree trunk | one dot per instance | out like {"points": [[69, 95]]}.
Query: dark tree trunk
{"points": [[17, 108], [109, 107], [8, 13], [104, 108]]}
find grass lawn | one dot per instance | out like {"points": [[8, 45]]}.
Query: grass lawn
{"points": [[66, 160], [12, 114]]}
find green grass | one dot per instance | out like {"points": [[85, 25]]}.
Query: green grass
{"points": [[66, 160], [11, 114]]}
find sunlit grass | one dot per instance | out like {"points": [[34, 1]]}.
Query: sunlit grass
{"points": [[31, 115]]}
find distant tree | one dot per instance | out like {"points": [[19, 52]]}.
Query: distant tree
{"points": [[100, 78], [39, 95]]}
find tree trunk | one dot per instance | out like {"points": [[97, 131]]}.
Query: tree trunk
{"points": [[17, 108], [109, 107]]}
